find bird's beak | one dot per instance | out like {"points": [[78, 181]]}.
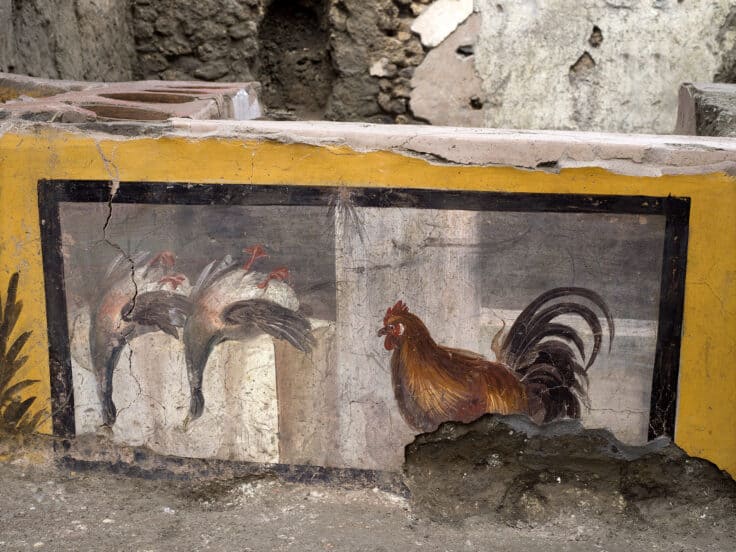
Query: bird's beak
{"points": [[382, 331]]}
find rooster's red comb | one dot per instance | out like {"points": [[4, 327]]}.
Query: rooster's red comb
{"points": [[399, 308]]}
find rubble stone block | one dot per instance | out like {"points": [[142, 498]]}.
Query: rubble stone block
{"points": [[449, 100], [707, 109], [436, 22]]}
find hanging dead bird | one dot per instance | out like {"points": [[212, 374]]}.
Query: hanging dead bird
{"points": [[140, 294], [231, 302]]}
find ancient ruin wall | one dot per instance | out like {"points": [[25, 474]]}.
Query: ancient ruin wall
{"points": [[612, 66], [76, 40], [313, 57]]}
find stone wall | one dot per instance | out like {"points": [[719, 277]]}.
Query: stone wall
{"points": [[337, 59], [610, 66], [605, 65], [67, 39]]}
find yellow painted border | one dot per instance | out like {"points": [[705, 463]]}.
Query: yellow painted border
{"points": [[707, 392]]}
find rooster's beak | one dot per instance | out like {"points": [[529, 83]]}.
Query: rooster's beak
{"points": [[382, 331]]}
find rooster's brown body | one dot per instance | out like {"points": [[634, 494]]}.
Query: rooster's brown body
{"points": [[537, 372]]}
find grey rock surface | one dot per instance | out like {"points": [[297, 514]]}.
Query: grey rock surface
{"points": [[455, 99], [613, 66], [87, 507], [314, 59], [82, 40], [707, 109], [508, 469]]}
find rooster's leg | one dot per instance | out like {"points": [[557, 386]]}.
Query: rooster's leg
{"points": [[280, 274], [256, 252]]}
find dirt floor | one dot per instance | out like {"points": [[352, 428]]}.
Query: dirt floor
{"points": [[48, 508]]}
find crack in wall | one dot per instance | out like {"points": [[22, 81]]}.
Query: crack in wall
{"points": [[114, 174]]}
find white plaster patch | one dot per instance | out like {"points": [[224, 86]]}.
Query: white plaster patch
{"points": [[441, 18], [455, 99], [151, 393], [611, 66]]}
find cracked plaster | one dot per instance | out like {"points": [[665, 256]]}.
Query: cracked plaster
{"points": [[632, 155], [638, 154]]}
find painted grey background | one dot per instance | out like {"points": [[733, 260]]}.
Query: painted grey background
{"points": [[462, 272], [520, 255], [301, 238]]}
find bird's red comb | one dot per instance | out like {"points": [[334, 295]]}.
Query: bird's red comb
{"points": [[399, 308]]}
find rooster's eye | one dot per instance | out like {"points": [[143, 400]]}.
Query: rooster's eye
{"points": [[390, 327]]}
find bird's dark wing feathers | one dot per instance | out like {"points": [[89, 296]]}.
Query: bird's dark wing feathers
{"points": [[211, 273], [541, 351], [164, 310], [273, 319], [123, 265]]}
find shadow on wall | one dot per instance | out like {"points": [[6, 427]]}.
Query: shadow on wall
{"points": [[294, 65]]}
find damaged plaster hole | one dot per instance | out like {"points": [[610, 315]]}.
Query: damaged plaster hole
{"points": [[294, 64], [466, 50], [584, 64], [476, 102], [596, 37]]}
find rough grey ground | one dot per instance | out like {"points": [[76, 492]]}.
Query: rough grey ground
{"points": [[55, 510], [46, 508]]}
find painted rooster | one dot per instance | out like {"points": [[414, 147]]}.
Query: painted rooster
{"points": [[538, 371], [232, 302], [139, 295]]}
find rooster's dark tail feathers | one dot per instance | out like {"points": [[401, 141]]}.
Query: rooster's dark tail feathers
{"points": [[541, 352]]}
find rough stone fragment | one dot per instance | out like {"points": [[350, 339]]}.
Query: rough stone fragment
{"points": [[383, 68], [401, 91], [166, 25], [441, 18], [536, 74], [155, 61], [212, 70], [214, 49], [175, 45], [242, 30], [84, 40], [6, 35], [508, 468], [707, 109], [391, 105], [449, 100], [417, 8]]}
